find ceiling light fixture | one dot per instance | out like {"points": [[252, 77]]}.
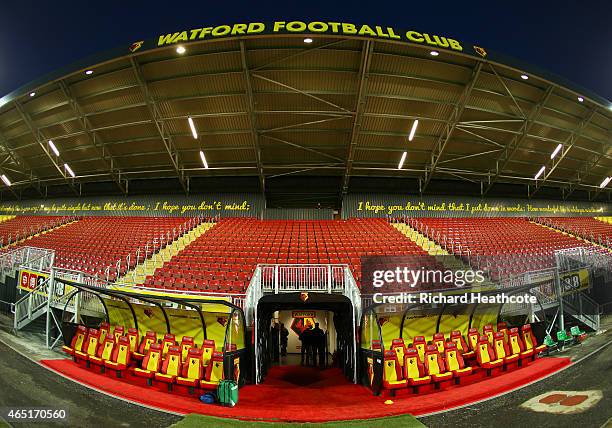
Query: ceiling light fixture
{"points": [[557, 150], [53, 148], [181, 50], [193, 128], [308, 40], [70, 171], [32, 94], [89, 72], [413, 130], [580, 99], [401, 162], [605, 182], [5, 179], [524, 77], [434, 53], [540, 172], [203, 159]]}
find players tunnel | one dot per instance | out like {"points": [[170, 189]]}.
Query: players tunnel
{"points": [[185, 321], [403, 326], [298, 311]]}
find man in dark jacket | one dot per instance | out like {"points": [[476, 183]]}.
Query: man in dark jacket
{"points": [[306, 340], [318, 345], [284, 339]]}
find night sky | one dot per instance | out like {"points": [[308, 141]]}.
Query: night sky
{"points": [[572, 39]]}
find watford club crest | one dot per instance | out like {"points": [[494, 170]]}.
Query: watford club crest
{"points": [[302, 321], [136, 45], [304, 297], [480, 51], [222, 321], [148, 313]]}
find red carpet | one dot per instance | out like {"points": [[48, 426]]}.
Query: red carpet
{"points": [[302, 394]]}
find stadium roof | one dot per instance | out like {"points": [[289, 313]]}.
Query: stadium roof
{"points": [[304, 122]]}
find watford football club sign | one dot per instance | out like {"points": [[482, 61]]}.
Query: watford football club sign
{"points": [[302, 320]]}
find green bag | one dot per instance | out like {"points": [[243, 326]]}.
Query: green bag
{"points": [[227, 393]]}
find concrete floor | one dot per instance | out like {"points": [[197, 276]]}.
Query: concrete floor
{"points": [[25, 383]]}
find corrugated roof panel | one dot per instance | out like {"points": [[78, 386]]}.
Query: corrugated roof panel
{"points": [[420, 67], [185, 86], [99, 82], [221, 104], [192, 64], [409, 88], [112, 100]]}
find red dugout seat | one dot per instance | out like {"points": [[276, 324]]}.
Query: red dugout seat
{"points": [[414, 372], [151, 363], [399, 347], [193, 370], [486, 356], [502, 352], [457, 338], [90, 347], [214, 372], [171, 367], [530, 342], [120, 358], [77, 342], [392, 375], [434, 365], [454, 362]]}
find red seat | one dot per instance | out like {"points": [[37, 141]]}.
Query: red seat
{"points": [[77, 342], [120, 358], [486, 356], [151, 363], [414, 371], [393, 377], [171, 367], [454, 361], [434, 365]]}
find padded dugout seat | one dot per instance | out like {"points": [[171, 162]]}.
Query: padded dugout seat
{"points": [[104, 331], [457, 338], [171, 367], [502, 351], [393, 377], [104, 352], [151, 363], [118, 332], [193, 370], [214, 372], [132, 335], [187, 343], [414, 372], [399, 347], [454, 362], [420, 344], [77, 342], [148, 339], [208, 349], [90, 347], [530, 341], [473, 337], [168, 341], [439, 341], [515, 345], [434, 366], [488, 331], [486, 356], [120, 358]]}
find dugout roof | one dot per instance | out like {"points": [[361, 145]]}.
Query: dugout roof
{"points": [[305, 123]]}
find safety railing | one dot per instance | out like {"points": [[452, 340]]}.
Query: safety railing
{"points": [[307, 277], [28, 257]]}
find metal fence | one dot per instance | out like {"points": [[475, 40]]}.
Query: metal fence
{"points": [[291, 278]]}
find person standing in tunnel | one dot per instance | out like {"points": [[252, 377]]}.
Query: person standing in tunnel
{"points": [[318, 345], [306, 345], [284, 339]]}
